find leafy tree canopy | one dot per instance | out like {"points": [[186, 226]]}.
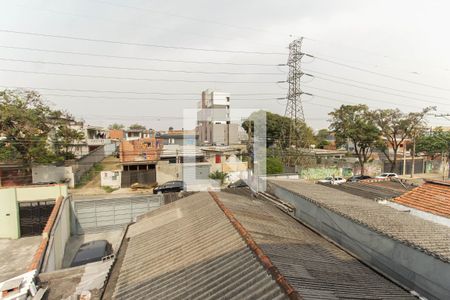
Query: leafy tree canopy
{"points": [[116, 126], [31, 131], [276, 125], [353, 123], [274, 165], [396, 126], [435, 143], [136, 127]]}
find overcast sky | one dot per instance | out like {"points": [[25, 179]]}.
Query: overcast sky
{"points": [[394, 40]]}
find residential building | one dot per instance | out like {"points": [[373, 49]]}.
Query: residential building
{"points": [[116, 134], [178, 137], [135, 134], [142, 149], [214, 124]]}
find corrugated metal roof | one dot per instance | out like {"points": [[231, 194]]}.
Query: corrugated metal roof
{"points": [[189, 250], [316, 268], [374, 190], [431, 238], [432, 197]]}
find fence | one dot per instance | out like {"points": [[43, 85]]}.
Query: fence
{"points": [[103, 214], [419, 166]]}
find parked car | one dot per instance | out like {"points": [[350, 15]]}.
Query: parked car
{"points": [[238, 184], [169, 187], [92, 252], [387, 175], [333, 180], [357, 178]]}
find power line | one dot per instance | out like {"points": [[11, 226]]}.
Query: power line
{"points": [[148, 99], [126, 92], [136, 58], [138, 44], [332, 99], [135, 69], [152, 27], [183, 17], [384, 56], [355, 96], [379, 74], [134, 78], [376, 90]]}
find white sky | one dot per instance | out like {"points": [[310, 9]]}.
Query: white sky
{"points": [[403, 39]]}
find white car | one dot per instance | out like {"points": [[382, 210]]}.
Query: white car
{"points": [[333, 180], [387, 175]]}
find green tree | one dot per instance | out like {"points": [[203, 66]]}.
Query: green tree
{"points": [[274, 165], [353, 123], [276, 125], [218, 175], [116, 126], [136, 127], [321, 138], [435, 143], [24, 126], [395, 127], [64, 136]]}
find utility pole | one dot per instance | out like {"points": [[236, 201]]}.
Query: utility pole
{"points": [[294, 106]]}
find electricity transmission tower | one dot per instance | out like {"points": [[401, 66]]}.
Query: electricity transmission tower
{"points": [[294, 106]]}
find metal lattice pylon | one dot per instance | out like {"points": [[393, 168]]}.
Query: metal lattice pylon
{"points": [[294, 106]]}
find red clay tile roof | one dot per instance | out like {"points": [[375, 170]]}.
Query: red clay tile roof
{"points": [[432, 197]]}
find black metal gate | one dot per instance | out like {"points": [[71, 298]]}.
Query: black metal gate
{"points": [[34, 216], [147, 177]]}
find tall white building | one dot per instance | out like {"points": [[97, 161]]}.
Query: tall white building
{"points": [[214, 124]]}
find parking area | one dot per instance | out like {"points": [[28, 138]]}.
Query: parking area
{"points": [[16, 255], [73, 244]]}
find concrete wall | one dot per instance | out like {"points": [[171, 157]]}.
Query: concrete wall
{"points": [[167, 172], [9, 214], [50, 173], [414, 269], [110, 148], [57, 239], [82, 165], [319, 173], [112, 179], [9, 209]]}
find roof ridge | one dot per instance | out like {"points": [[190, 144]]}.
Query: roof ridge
{"points": [[439, 182], [262, 257]]}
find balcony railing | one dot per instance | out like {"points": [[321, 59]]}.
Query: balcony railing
{"points": [[97, 142]]}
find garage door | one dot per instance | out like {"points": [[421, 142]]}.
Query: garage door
{"points": [[33, 216]]}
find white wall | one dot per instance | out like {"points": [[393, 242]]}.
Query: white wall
{"points": [[58, 238], [112, 179]]}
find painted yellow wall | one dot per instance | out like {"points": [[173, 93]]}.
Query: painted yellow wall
{"points": [[9, 214], [9, 208], [33, 193]]}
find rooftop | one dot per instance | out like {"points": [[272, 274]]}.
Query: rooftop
{"points": [[428, 237], [16, 255], [373, 189], [196, 251], [189, 249], [432, 197]]}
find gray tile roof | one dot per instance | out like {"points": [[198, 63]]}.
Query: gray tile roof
{"points": [[431, 238], [372, 190], [316, 268], [189, 250]]}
